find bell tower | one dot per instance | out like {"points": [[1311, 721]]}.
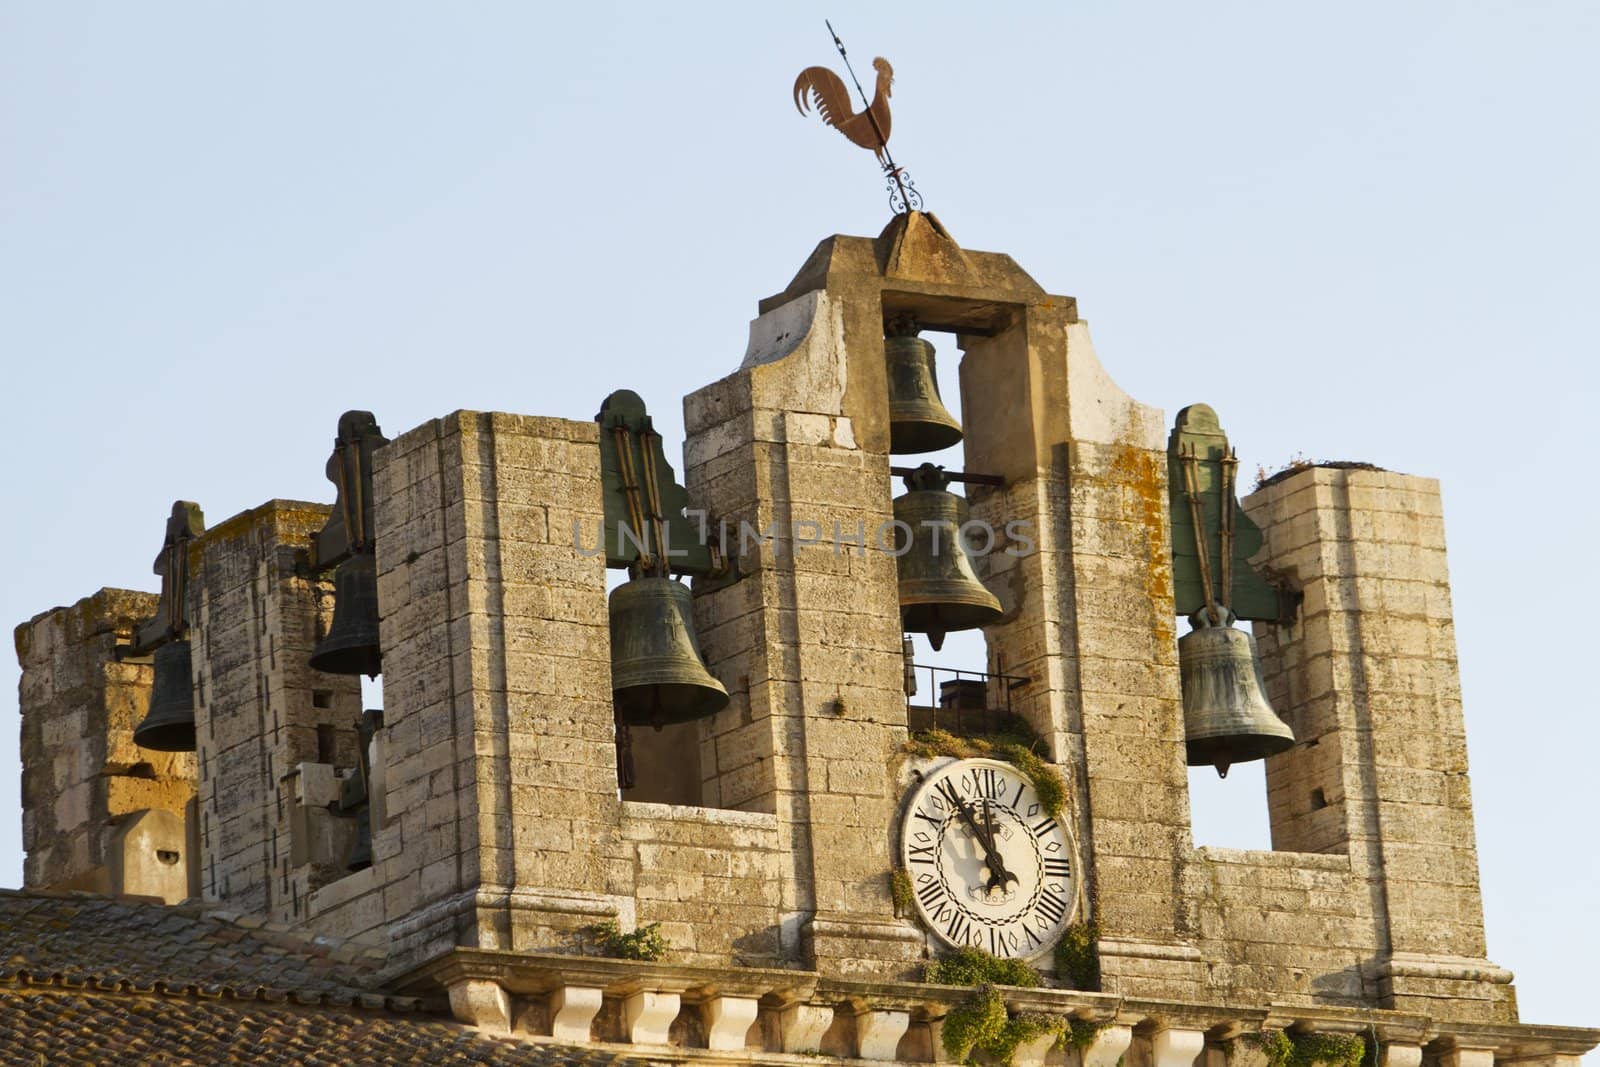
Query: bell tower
{"points": [[572, 776]]}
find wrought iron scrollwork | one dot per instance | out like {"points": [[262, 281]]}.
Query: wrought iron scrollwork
{"points": [[903, 195]]}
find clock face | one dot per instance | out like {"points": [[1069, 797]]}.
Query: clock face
{"points": [[989, 867]]}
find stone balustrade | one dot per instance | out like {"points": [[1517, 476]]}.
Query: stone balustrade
{"points": [[765, 1015]]}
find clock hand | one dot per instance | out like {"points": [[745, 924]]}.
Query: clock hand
{"points": [[997, 866], [984, 840]]}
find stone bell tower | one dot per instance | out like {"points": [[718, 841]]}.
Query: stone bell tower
{"points": [[517, 800]]}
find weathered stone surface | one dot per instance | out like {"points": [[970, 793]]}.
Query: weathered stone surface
{"points": [[90, 796], [261, 711]]}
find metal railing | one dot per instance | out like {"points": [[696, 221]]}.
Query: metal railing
{"points": [[966, 702]]}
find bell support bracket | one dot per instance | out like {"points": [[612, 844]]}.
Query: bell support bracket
{"points": [[918, 478], [171, 620], [350, 528], [645, 528], [1198, 453], [355, 792]]}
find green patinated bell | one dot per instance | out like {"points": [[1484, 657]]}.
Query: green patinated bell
{"points": [[351, 646], [939, 591], [1226, 717], [918, 421], [169, 724], [658, 676]]}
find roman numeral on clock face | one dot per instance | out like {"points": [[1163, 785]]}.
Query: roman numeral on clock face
{"points": [[988, 782], [1052, 907], [1054, 865], [924, 854]]}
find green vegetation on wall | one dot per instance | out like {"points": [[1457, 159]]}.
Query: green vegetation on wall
{"points": [[645, 943], [1014, 742]]}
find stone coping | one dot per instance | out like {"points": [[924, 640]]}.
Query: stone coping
{"points": [[648, 812], [1319, 861]]}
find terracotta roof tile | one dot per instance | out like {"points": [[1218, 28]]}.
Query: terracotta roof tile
{"points": [[94, 980], [146, 943], [48, 1025]]}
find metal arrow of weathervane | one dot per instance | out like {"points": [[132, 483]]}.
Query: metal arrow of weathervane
{"points": [[821, 88]]}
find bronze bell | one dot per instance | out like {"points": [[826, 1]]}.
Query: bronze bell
{"points": [[169, 724], [918, 421], [657, 673], [1226, 717], [351, 646], [939, 591]]}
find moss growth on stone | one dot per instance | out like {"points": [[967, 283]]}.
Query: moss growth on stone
{"points": [[976, 1022], [980, 1023], [901, 891], [1080, 1033], [1078, 956], [1014, 742], [975, 967], [1283, 1049], [645, 943]]}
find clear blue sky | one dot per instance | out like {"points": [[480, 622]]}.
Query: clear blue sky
{"points": [[1361, 231]]}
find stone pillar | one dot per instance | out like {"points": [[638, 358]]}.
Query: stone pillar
{"points": [[1366, 676], [500, 768], [807, 635], [1089, 620], [260, 710], [89, 794]]}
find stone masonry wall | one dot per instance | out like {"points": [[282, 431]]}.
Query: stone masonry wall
{"points": [[504, 826], [708, 877], [81, 772], [807, 637], [1089, 622], [500, 776], [1294, 927], [255, 619], [1366, 676]]}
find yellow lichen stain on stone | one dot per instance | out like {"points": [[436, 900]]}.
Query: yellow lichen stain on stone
{"points": [[309, 517], [227, 529], [1139, 473]]}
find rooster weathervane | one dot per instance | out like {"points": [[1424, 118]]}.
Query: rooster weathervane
{"points": [[821, 88]]}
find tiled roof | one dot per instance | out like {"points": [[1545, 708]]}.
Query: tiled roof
{"points": [[51, 1025], [100, 937], [92, 980]]}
